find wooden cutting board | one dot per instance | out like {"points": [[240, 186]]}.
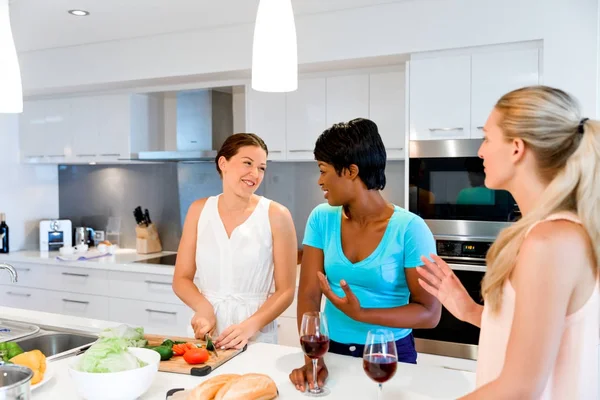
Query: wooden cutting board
{"points": [[178, 365]]}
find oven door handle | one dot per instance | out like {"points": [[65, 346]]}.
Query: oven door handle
{"points": [[467, 267]]}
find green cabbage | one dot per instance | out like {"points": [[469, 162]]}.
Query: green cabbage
{"points": [[109, 355], [133, 336]]}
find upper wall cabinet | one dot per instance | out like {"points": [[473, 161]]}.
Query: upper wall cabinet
{"points": [[495, 74], [88, 129], [451, 95], [291, 123]]}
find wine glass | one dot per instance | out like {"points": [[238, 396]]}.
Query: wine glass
{"points": [[314, 339], [380, 358]]}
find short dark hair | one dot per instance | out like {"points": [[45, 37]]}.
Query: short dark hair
{"points": [[235, 142], [355, 142]]}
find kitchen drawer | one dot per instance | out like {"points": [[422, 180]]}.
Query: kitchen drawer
{"points": [[25, 298], [77, 280], [159, 318], [287, 332], [137, 286], [30, 275], [78, 305]]}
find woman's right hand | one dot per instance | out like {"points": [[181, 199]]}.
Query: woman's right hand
{"points": [[441, 282], [203, 324], [303, 375]]}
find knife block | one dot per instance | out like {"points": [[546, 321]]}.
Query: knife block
{"points": [[147, 239]]}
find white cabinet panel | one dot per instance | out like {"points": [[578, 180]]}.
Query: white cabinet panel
{"points": [[287, 332], [387, 109], [77, 280], [440, 98], [85, 125], [26, 298], [30, 275], [306, 117], [78, 305], [495, 74], [114, 126], [32, 125], [138, 286], [347, 98], [57, 135], [160, 318], [266, 118]]}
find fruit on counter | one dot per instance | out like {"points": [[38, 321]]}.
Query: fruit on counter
{"points": [[134, 337], [9, 350], [35, 360], [109, 355], [196, 356], [236, 387]]}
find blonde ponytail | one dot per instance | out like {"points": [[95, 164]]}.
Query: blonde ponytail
{"points": [[567, 151]]}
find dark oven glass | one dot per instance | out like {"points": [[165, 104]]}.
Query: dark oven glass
{"points": [[451, 329], [453, 189]]}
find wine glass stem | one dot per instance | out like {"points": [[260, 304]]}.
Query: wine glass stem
{"points": [[380, 392], [316, 381]]}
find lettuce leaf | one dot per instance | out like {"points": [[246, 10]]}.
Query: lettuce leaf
{"points": [[109, 355], [133, 336]]}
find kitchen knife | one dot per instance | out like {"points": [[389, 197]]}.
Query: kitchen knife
{"points": [[210, 343], [147, 217]]}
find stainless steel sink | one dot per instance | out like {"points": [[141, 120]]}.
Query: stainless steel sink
{"points": [[56, 343]]}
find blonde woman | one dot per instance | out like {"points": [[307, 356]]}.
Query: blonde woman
{"points": [[540, 322]]}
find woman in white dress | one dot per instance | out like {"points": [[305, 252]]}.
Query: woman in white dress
{"points": [[238, 246]]}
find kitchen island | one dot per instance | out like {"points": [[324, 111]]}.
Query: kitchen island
{"points": [[347, 379]]}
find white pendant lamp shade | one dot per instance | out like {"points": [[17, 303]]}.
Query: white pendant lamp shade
{"points": [[11, 92], [275, 51]]}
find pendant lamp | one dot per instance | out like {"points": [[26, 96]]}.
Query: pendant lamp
{"points": [[11, 92]]}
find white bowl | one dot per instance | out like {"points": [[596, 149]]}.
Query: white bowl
{"points": [[125, 385]]}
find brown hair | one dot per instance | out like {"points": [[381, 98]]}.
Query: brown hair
{"points": [[566, 148], [235, 142]]}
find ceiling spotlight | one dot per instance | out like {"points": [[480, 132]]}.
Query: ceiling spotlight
{"points": [[79, 13]]}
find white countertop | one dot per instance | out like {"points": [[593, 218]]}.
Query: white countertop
{"points": [[347, 378]]}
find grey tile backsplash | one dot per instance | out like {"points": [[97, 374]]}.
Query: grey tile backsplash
{"points": [[89, 194]]}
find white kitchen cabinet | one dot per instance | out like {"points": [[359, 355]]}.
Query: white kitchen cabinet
{"points": [[138, 286], [347, 98], [85, 127], [306, 117], [266, 117], [77, 280], [44, 130], [440, 97], [495, 74], [287, 332], [77, 304], [23, 297], [387, 110], [160, 318]]}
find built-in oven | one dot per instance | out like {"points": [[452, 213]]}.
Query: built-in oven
{"points": [[446, 188]]}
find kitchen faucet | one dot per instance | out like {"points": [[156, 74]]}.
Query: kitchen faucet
{"points": [[11, 270]]}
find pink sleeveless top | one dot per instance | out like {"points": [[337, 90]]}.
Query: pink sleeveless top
{"points": [[575, 371]]}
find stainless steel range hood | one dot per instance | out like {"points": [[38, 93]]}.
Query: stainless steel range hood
{"points": [[196, 123]]}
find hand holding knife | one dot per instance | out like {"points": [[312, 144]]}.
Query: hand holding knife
{"points": [[210, 346]]}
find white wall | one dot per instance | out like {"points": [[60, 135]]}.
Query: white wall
{"points": [[28, 192], [567, 27]]}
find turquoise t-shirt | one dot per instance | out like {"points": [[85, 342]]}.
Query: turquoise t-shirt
{"points": [[379, 280]]}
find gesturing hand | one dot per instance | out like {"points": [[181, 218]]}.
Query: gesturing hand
{"points": [[349, 305]]}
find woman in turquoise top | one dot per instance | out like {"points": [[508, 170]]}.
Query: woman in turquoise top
{"points": [[361, 251]]}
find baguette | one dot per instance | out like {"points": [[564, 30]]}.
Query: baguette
{"points": [[249, 387], [209, 388]]}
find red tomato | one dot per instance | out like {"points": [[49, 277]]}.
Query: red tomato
{"points": [[196, 356]]}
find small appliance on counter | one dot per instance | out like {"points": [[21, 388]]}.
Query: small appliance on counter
{"points": [[84, 235], [147, 239], [55, 234]]}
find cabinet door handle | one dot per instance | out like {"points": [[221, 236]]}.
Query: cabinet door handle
{"points": [[73, 274], [55, 155], [85, 155], [161, 312], [110, 155], [480, 128], [18, 294], [158, 283], [299, 151], [395, 148], [275, 151], [75, 301], [23, 269], [445, 129]]}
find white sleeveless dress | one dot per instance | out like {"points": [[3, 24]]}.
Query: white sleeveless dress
{"points": [[235, 273]]}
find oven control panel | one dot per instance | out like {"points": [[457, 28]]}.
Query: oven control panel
{"points": [[459, 249]]}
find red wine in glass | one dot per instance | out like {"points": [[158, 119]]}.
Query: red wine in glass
{"points": [[380, 358], [380, 367], [314, 346], [314, 339]]}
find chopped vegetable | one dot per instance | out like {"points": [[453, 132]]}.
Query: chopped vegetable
{"points": [[35, 360], [133, 336], [209, 344], [9, 350], [109, 355], [180, 349], [196, 356], [165, 352]]}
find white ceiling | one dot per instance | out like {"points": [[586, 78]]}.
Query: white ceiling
{"points": [[43, 24]]}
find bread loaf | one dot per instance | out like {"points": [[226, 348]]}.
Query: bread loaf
{"points": [[249, 387], [209, 388]]}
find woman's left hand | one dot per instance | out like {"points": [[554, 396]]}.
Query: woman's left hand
{"points": [[349, 304], [235, 336]]}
